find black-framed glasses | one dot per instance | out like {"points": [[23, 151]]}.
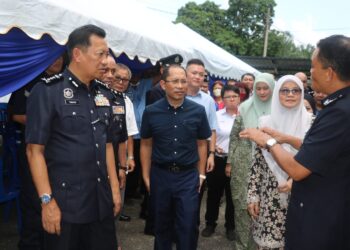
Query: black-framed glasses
{"points": [[177, 81], [295, 91], [231, 97], [123, 80]]}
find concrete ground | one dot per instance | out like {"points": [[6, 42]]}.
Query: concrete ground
{"points": [[130, 234]]}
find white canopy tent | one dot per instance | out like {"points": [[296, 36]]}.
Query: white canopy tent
{"points": [[213, 56], [130, 28]]}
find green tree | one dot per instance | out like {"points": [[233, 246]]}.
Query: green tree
{"points": [[207, 19], [240, 29]]}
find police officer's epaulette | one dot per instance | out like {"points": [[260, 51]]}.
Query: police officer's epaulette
{"points": [[106, 86], [52, 79]]}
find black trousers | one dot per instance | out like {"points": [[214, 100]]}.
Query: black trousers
{"points": [[174, 198], [32, 232], [217, 183], [99, 235], [134, 177]]}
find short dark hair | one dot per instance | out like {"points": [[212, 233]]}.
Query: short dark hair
{"points": [[334, 52], [229, 88], [166, 70], [195, 61], [247, 74], [80, 37]]}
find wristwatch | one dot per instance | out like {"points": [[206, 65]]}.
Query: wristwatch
{"points": [[270, 143], [45, 198]]}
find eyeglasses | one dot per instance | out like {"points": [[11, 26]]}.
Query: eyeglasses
{"points": [[177, 81], [231, 97], [286, 92], [123, 80]]}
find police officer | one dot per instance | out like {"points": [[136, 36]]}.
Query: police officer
{"points": [[318, 213], [156, 92], [173, 156], [31, 235], [69, 135]]}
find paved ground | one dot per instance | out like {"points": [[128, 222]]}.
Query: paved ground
{"points": [[130, 233]]}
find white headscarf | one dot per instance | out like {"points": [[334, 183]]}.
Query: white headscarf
{"points": [[295, 122]]}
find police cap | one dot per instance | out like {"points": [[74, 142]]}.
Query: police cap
{"points": [[173, 59]]}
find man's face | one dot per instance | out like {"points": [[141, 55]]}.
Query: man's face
{"points": [[195, 75], [121, 80], [175, 85], [248, 81], [319, 74], [56, 67], [93, 59], [302, 78], [108, 76], [205, 87]]}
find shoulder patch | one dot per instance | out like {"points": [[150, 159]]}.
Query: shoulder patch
{"points": [[106, 86], [52, 79], [102, 84]]}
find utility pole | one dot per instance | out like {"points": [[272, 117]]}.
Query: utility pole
{"points": [[267, 28]]}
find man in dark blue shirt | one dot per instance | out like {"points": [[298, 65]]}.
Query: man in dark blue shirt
{"points": [[173, 155], [318, 214], [32, 233], [70, 126]]}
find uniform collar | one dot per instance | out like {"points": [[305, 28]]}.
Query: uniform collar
{"points": [[76, 82], [334, 97]]}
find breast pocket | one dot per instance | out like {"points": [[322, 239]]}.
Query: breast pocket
{"points": [[191, 128], [74, 120]]}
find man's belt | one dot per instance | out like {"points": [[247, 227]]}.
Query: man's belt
{"points": [[175, 168], [224, 155]]}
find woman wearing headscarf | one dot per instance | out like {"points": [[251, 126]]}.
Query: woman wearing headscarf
{"points": [[240, 156], [269, 185]]}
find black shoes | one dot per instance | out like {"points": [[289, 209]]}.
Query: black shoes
{"points": [[124, 217], [208, 231]]}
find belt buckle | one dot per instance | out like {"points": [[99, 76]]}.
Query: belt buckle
{"points": [[174, 169]]}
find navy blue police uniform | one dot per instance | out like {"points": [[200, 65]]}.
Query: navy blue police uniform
{"points": [[119, 119], [31, 235], [174, 179], [318, 214], [74, 122]]}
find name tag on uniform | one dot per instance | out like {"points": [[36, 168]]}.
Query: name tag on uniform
{"points": [[71, 102], [101, 100], [119, 110]]}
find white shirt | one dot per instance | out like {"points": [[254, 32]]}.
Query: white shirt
{"points": [[131, 125], [225, 123]]}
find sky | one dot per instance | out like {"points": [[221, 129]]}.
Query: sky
{"points": [[307, 20]]}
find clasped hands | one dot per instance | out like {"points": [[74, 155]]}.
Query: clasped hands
{"points": [[260, 136]]}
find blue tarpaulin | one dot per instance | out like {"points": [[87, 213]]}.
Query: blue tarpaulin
{"points": [[23, 58]]}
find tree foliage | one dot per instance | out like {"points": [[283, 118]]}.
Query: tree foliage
{"points": [[240, 29]]}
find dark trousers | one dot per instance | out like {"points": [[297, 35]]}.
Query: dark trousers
{"points": [[174, 198], [134, 177], [99, 235], [32, 232], [217, 183]]}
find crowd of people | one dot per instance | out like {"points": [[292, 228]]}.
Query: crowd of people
{"points": [[95, 135]]}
